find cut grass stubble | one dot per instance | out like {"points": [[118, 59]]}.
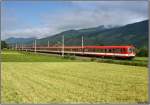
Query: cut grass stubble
{"points": [[73, 82], [38, 78]]}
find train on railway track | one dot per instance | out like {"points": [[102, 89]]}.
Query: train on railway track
{"points": [[97, 51]]}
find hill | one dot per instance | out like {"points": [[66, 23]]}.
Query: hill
{"points": [[135, 34], [13, 40], [131, 34]]}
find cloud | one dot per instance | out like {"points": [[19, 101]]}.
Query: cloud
{"points": [[83, 15], [29, 32]]}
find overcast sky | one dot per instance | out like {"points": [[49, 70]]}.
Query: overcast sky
{"points": [[41, 19]]}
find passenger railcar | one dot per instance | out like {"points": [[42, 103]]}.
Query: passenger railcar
{"points": [[99, 51]]}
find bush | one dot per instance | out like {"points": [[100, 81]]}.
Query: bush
{"points": [[93, 59], [72, 57], [123, 62], [68, 56], [4, 45], [142, 52]]}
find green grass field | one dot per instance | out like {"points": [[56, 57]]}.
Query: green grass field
{"points": [[14, 56], [70, 82]]}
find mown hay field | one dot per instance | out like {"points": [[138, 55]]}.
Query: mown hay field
{"points": [[73, 82]]}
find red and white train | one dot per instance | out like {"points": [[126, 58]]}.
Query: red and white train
{"points": [[98, 51]]}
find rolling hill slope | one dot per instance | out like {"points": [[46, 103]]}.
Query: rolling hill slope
{"points": [[135, 34], [13, 40]]}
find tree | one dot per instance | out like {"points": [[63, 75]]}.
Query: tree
{"points": [[4, 45], [143, 52]]}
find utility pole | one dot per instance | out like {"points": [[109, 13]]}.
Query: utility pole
{"points": [[32, 48], [48, 43], [26, 48], [22, 46], [63, 45], [35, 46], [12, 47], [19, 47], [16, 46], [82, 44]]}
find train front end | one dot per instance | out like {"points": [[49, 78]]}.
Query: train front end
{"points": [[131, 52]]}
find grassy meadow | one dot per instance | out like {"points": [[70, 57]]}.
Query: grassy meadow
{"points": [[40, 78], [14, 56]]}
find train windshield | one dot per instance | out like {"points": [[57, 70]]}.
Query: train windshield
{"points": [[131, 50]]}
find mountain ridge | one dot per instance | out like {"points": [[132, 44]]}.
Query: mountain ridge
{"points": [[131, 34]]}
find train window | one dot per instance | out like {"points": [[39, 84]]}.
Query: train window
{"points": [[90, 50], [96, 50], [66, 49], [107, 50], [110, 50], [123, 50], [76, 50], [101, 50], [113, 50], [117, 50], [85, 50], [104, 50], [93, 50], [131, 50], [81, 49]]}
